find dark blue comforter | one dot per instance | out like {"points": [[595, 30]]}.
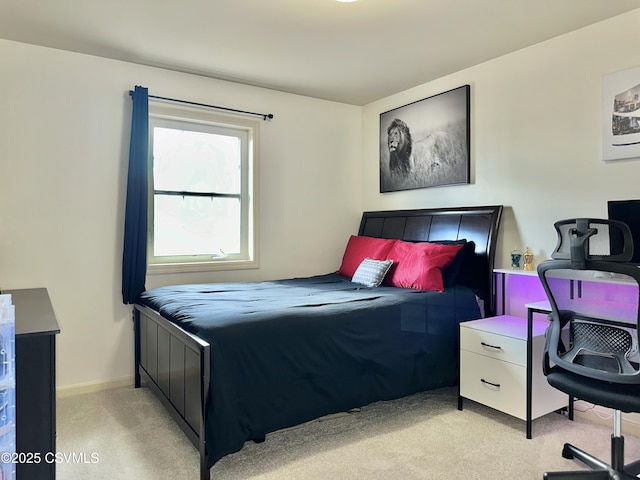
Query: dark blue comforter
{"points": [[288, 351]]}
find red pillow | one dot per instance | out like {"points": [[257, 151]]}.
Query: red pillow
{"points": [[359, 248], [420, 265]]}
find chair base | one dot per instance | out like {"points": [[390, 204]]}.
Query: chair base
{"points": [[599, 469]]}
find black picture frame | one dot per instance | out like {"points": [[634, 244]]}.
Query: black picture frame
{"points": [[427, 143]]}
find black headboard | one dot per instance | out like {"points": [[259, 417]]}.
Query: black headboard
{"points": [[477, 224]]}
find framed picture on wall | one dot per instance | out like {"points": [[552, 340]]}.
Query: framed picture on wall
{"points": [[426, 143], [621, 115]]}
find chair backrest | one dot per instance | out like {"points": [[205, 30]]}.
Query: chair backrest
{"points": [[594, 296]]}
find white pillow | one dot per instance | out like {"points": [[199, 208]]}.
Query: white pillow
{"points": [[370, 273]]}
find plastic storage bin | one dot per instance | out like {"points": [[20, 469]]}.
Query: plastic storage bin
{"points": [[7, 389]]}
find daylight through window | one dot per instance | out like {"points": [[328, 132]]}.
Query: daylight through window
{"points": [[201, 198]]}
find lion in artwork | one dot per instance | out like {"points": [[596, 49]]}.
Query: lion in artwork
{"points": [[400, 148]]}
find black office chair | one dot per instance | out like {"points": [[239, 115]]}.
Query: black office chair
{"points": [[591, 350]]}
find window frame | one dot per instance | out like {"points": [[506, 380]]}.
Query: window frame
{"points": [[165, 114]]}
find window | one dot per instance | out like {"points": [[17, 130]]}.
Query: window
{"points": [[201, 190]]}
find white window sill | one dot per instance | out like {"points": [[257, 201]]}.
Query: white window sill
{"points": [[160, 268]]}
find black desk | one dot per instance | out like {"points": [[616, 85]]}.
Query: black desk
{"points": [[36, 329]]}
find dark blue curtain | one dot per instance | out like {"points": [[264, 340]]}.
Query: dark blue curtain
{"points": [[134, 258]]}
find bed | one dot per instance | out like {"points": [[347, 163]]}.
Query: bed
{"points": [[233, 362]]}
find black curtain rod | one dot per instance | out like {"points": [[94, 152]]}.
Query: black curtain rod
{"points": [[264, 116]]}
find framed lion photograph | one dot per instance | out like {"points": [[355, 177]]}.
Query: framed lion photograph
{"points": [[426, 143]]}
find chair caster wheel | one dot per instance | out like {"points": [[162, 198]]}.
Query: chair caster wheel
{"points": [[566, 452]]}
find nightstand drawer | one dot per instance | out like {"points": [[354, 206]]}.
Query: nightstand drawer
{"points": [[497, 384], [508, 349]]}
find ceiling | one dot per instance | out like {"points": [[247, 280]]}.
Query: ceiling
{"points": [[353, 53]]}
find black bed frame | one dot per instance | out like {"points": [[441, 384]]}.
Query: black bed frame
{"points": [[176, 364]]}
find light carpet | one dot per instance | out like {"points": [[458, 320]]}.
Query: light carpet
{"points": [[423, 436]]}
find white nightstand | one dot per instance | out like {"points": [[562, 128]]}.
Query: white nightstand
{"points": [[498, 370]]}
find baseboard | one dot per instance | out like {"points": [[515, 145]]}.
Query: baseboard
{"points": [[92, 387], [604, 416]]}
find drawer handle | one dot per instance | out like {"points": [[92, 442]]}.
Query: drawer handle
{"points": [[497, 347], [497, 385]]}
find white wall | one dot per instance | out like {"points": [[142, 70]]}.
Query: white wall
{"points": [[535, 136], [64, 135], [536, 129], [64, 129]]}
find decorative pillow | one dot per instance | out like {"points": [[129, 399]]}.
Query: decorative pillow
{"points": [[371, 272], [455, 271], [361, 247], [420, 265]]}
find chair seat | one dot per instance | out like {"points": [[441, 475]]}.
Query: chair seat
{"points": [[623, 397]]}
